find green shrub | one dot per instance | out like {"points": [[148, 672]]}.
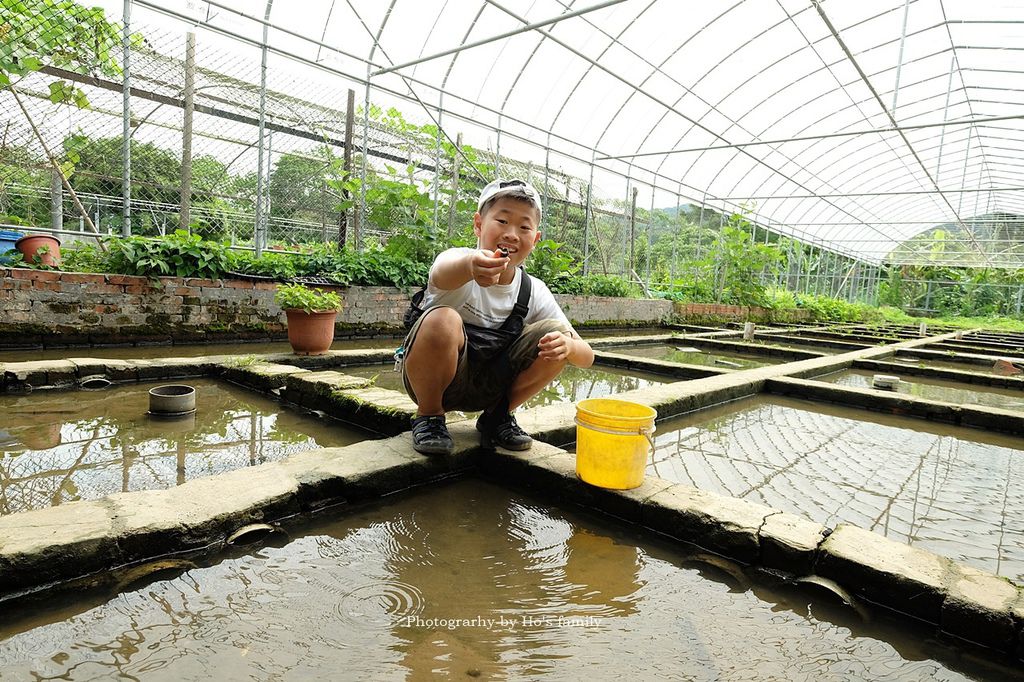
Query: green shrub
{"points": [[179, 255], [297, 296], [593, 285], [280, 266], [84, 257], [829, 309], [779, 299]]}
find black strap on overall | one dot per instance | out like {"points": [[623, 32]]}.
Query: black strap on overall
{"points": [[485, 343]]}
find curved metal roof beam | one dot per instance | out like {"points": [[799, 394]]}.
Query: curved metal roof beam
{"points": [[796, 157], [841, 88], [881, 104], [835, 177], [614, 40], [835, 150], [854, 166], [956, 62], [501, 36], [809, 45]]}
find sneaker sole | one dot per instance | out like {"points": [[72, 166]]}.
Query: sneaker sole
{"points": [[434, 449], [488, 444]]}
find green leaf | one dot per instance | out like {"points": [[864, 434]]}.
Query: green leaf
{"points": [[79, 98]]}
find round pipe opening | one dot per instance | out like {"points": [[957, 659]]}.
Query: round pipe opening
{"points": [[173, 400], [96, 382]]}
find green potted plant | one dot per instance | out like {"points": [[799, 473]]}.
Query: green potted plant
{"points": [[39, 249], [311, 314]]}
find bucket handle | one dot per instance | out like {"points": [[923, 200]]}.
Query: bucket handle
{"points": [[642, 431]]}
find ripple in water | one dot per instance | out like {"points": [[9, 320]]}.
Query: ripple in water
{"points": [[380, 604]]}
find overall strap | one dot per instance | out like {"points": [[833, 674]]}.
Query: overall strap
{"points": [[522, 305]]}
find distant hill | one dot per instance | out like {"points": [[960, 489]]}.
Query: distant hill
{"points": [[992, 239]]}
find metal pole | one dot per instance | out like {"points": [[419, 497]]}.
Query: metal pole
{"points": [[56, 201], [455, 187], [586, 219], [899, 61], [647, 260], [497, 151], [350, 122], [547, 177], [632, 230], [360, 219], [186, 130], [501, 36], [675, 241], [126, 123], [565, 214], [437, 164], [259, 229], [945, 115]]}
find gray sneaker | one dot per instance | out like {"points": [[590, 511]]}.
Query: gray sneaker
{"points": [[430, 436], [501, 430]]}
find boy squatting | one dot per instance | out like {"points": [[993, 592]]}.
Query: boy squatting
{"points": [[445, 367]]}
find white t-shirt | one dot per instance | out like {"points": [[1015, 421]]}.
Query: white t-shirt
{"points": [[490, 306]]}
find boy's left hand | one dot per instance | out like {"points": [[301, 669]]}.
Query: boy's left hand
{"points": [[555, 346]]}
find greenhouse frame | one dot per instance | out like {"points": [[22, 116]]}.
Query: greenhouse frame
{"points": [[872, 145]]}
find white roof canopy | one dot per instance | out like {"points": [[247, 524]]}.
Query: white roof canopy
{"points": [[853, 125]]}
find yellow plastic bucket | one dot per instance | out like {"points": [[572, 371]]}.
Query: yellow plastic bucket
{"points": [[613, 440]]}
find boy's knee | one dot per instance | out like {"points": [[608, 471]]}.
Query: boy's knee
{"points": [[542, 327], [441, 322], [438, 328]]}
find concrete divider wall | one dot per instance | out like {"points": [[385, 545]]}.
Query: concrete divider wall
{"points": [[40, 307], [80, 541]]}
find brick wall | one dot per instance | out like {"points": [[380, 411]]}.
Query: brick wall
{"points": [[54, 308], [49, 308]]}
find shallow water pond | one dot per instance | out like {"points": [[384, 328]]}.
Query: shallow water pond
{"points": [[934, 389], [682, 353], [572, 385], [468, 580], [72, 445], [955, 491], [181, 351]]}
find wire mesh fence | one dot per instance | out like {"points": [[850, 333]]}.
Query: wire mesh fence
{"points": [[226, 143]]}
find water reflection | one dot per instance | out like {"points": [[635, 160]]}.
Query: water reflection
{"points": [[515, 587], [936, 389], [688, 355], [572, 385], [182, 351], [61, 446], [949, 490], [466, 580]]}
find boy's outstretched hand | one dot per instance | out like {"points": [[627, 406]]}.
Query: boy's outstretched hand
{"points": [[555, 346], [486, 268]]}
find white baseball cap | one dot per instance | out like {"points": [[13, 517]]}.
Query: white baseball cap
{"points": [[517, 188]]}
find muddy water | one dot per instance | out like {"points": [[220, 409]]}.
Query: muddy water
{"points": [[241, 348], [954, 491], [181, 351], [591, 334], [61, 446], [935, 389], [810, 345], [468, 581], [572, 385], [682, 353], [951, 363]]}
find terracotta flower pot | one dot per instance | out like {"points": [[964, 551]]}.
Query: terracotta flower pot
{"points": [[310, 333], [30, 244]]}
